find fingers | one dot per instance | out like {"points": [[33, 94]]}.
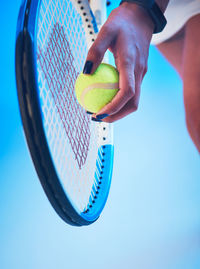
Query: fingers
{"points": [[98, 49], [127, 99], [130, 57], [130, 107], [125, 59], [132, 69], [125, 93]]}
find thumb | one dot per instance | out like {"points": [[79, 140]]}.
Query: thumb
{"points": [[98, 49]]}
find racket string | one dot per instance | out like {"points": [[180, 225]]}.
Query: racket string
{"points": [[57, 65], [73, 139]]}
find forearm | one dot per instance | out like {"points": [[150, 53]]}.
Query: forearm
{"points": [[191, 78]]}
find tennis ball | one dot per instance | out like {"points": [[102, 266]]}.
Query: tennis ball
{"points": [[96, 90]]}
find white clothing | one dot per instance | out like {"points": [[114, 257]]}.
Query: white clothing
{"points": [[178, 12]]}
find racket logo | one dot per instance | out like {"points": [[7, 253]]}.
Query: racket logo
{"points": [[57, 65]]}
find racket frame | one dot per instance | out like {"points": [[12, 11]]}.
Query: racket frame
{"points": [[26, 77]]}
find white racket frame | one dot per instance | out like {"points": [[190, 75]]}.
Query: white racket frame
{"points": [[99, 9]]}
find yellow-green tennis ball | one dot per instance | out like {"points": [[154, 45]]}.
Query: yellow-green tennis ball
{"points": [[95, 91]]}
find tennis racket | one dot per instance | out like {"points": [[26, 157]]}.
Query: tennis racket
{"points": [[73, 156]]}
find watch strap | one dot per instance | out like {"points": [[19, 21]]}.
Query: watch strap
{"points": [[154, 11]]}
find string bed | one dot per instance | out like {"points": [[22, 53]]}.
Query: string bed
{"points": [[72, 138]]}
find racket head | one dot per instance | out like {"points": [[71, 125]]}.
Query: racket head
{"points": [[34, 83]]}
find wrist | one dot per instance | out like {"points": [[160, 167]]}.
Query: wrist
{"points": [[140, 14], [154, 11]]}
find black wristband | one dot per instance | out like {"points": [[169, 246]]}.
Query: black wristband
{"points": [[154, 12]]}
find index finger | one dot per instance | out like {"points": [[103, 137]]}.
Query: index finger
{"points": [[96, 52]]}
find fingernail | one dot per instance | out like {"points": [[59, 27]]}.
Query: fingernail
{"points": [[88, 67], [94, 119], [102, 116], [88, 112]]}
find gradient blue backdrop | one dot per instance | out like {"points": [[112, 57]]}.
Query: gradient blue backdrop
{"points": [[152, 218]]}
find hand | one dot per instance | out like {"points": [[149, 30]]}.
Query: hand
{"points": [[127, 34]]}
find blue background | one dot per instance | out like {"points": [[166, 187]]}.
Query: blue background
{"points": [[152, 218]]}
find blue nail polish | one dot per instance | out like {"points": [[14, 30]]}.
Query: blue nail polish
{"points": [[88, 112], [102, 116], [94, 119], [88, 67]]}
